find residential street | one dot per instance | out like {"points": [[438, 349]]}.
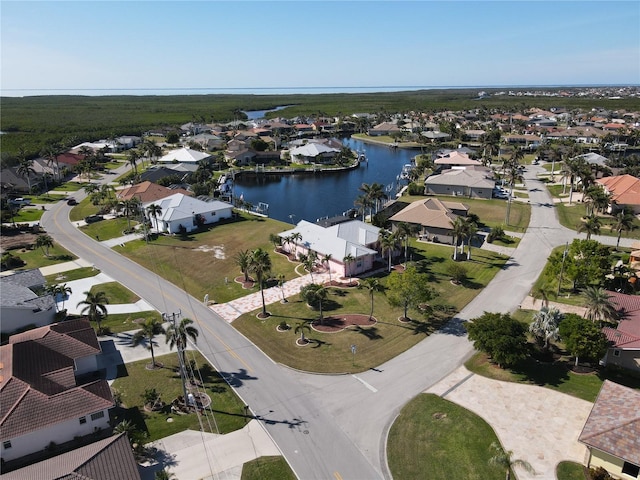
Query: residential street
{"points": [[331, 426]]}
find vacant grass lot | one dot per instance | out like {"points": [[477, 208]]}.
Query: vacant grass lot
{"points": [[70, 187], [226, 408], [200, 262], [36, 258], [70, 275], [45, 198], [82, 210], [436, 439], [28, 215], [124, 322], [331, 352]]}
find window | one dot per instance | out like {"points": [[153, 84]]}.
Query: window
{"points": [[83, 420], [631, 469], [6, 444], [96, 416], [616, 353]]}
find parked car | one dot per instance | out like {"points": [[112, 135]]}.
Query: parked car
{"points": [[19, 201], [93, 218]]}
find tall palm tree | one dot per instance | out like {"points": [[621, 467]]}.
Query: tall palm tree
{"points": [[130, 207], [51, 152], [503, 458], [458, 228], [25, 170], [260, 265], [296, 238], [242, 259], [599, 306], [388, 244], [348, 259], [44, 242], [178, 335], [94, 307], [150, 328], [405, 231], [591, 225], [154, 211], [326, 259], [624, 221], [372, 285], [470, 231]]}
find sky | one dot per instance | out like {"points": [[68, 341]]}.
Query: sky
{"points": [[323, 43]]}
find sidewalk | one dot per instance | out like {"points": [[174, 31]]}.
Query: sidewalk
{"points": [[538, 424]]}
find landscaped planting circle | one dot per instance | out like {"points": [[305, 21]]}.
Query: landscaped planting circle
{"points": [[338, 323]]}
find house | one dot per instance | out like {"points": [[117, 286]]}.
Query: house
{"points": [[612, 431], [148, 192], [24, 302], [157, 172], [469, 183], [313, 152], [180, 211], [108, 459], [624, 339], [48, 394], [455, 159], [624, 190], [384, 128], [354, 238], [12, 181], [184, 155], [434, 218]]}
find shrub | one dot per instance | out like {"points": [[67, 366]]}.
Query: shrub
{"points": [[496, 233], [599, 474], [10, 261], [457, 272]]}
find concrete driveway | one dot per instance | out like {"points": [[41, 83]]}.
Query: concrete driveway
{"points": [[540, 425]]}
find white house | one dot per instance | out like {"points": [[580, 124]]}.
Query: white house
{"points": [[179, 210], [23, 301], [313, 153], [184, 155], [354, 238], [44, 399]]}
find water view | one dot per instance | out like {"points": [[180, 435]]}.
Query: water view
{"points": [[292, 198]]}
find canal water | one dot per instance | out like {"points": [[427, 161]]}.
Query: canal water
{"points": [[292, 198]]}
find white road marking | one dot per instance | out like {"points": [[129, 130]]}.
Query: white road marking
{"points": [[370, 387]]}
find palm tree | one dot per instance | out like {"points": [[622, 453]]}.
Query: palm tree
{"points": [[623, 222], [387, 244], [178, 335], [130, 208], [242, 259], [405, 231], [94, 307], [372, 285], [154, 211], [150, 328], [281, 280], [44, 242], [296, 238], [301, 328], [504, 459], [25, 170], [591, 225], [471, 228], [51, 152], [348, 259], [327, 260], [458, 231], [260, 265], [545, 325], [599, 306], [133, 156]]}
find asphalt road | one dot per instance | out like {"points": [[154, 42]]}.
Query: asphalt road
{"points": [[332, 426]]}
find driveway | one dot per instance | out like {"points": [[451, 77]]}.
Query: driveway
{"points": [[540, 425]]}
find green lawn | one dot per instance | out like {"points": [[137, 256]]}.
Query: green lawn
{"points": [[28, 215], [82, 210], [46, 198], [331, 353], [107, 229], [555, 376], [70, 187], [436, 439], [124, 322], [570, 471], [70, 275], [226, 413], [507, 241], [200, 263], [267, 468], [116, 293], [36, 258]]}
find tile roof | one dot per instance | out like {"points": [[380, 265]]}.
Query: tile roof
{"points": [[626, 335], [465, 178], [107, 459], [613, 425], [38, 384], [431, 212], [625, 189], [148, 192], [456, 158]]}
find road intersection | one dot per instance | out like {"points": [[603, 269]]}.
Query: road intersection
{"points": [[331, 426]]}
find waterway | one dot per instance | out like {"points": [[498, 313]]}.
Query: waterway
{"points": [[292, 198]]}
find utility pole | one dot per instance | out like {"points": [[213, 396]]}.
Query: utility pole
{"points": [[171, 317]]}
